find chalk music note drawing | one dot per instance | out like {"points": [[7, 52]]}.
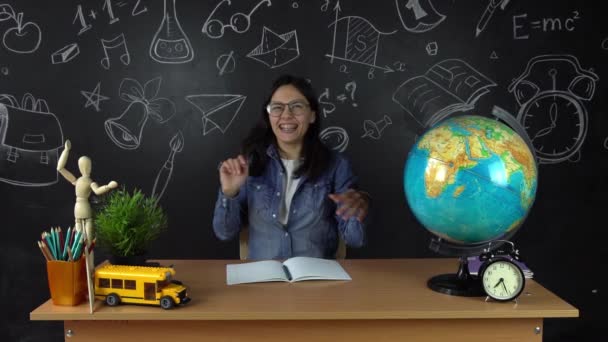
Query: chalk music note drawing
{"points": [[119, 44]]}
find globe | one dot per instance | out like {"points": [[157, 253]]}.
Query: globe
{"points": [[470, 180]]}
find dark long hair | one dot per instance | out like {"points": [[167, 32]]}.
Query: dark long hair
{"points": [[315, 154]]}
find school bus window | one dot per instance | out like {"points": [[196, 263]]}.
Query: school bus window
{"points": [[104, 282], [117, 283], [130, 285]]}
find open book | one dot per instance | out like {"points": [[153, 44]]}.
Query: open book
{"points": [[447, 87], [291, 270]]}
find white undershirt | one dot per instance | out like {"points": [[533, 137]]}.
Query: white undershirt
{"points": [[289, 188]]}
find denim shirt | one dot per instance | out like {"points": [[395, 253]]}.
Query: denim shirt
{"points": [[312, 228]]}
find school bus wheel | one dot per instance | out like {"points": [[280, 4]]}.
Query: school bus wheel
{"points": [[112, 299], [166, 302]]}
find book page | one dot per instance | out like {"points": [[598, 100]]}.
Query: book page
{"points": [[255, 272], [305, 268]]}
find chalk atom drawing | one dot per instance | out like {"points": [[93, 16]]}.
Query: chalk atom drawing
{"points": [[276, 50], [218, 110]]}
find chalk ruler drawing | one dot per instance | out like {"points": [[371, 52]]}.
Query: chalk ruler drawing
{"points": [[276, 50], [30, 138], [170, 43], [447, 87], [94, 97], [358, 41], [218, 110], [335, 138], [550, 93], [239, 22], [418, 16], [127, 129], [176, 145], [23, 37]]}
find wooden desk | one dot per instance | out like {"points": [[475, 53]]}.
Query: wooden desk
{"points": [[387, 300]]}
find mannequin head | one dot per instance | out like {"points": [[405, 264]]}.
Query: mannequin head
{"points": [[84, 165]]}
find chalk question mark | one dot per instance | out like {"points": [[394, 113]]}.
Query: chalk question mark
{"points": [[351, 86]]}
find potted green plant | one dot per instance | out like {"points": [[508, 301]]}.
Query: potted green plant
{"points": [[126, 225]]}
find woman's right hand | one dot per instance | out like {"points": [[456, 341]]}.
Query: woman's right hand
{"points": [[233, 173]]}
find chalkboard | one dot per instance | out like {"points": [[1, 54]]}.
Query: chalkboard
{"points": [[130, 81]]}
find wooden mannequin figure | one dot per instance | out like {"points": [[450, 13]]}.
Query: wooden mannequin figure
{"points": [[83, 213]]}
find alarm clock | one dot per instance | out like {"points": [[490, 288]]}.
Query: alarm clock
{"points": [[501, 278]]}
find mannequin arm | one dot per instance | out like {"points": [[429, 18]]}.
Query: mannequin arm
{"points": [[63, 160], [100, 190]]}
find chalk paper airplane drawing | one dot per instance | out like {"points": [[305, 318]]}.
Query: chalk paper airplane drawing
{"points": [[447, 87], [218, 110], [356, 40], [276, 50], [418, 16]]}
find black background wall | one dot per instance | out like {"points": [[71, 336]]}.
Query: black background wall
{"points": [[213, 88]]}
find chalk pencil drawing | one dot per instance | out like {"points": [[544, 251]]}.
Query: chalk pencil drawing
{"points": [[551, 93], [418, 16], [94, 98], [30, 138], [239, 22], [127, 129], [335, 138], [163, 177], [170, 44], [276, 50], [447, 87], [488, 13], [117, 45], [24, 37], [218, 110]]}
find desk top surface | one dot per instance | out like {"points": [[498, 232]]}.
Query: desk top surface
{"points": [[380, 289]]}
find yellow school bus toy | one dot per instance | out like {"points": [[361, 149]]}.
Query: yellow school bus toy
{"points": [[117, 284]]}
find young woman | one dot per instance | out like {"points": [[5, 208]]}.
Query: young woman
{"points": [[294, 194]]}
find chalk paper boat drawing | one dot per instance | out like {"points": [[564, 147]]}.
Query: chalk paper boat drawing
{"points": [[276, 50]]}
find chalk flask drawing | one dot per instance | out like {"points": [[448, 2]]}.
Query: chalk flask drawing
{"points": [[170, 43]]}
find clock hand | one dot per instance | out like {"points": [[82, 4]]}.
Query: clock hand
{"points": [[552, 125], [505, 287], [499, 281]]}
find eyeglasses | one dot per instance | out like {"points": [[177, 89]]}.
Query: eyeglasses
{"points": [[297, 108]]}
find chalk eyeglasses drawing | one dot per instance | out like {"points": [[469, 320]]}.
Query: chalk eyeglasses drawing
{"points": [[550, 92], [239, 22]]}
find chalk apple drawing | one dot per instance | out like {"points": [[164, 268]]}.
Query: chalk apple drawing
{"points": [[23, 38]]}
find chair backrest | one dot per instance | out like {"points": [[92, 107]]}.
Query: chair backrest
{"points": [[244, 249]]}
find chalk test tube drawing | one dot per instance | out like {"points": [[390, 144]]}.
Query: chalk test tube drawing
{"points": [[225, 63], [94, 97], [239, 22], [418, 16], [119, 44], [65, 54], [126, 130], [551, 92], [218, 111], [170, 43], [358, 42], [176, 145], [447, 87], [374, 129], [335, 138], [487, 14], [23, 37], [276, 50], [30, 138]]}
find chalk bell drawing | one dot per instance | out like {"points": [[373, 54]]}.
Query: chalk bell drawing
{"points": [[418, 16], [218, 110], [23, 37], [127, 129], [170, 43], [276, 50], [30, 138]]}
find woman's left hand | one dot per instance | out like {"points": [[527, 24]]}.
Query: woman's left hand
{"points": [[351, 203]]}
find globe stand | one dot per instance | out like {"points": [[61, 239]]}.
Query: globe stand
{"points": [[460, 284]]}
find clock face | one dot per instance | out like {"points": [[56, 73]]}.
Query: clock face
{"points": [[556, 124], [503, 280]]}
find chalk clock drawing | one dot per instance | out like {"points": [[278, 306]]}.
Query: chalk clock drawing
{"points": [[276, 50], [24, 36], [30, 138], [418, 16], [218, 110], [356, 40], [551, 92]]}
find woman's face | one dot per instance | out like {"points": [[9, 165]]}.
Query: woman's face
{"points": [[290, 116]]}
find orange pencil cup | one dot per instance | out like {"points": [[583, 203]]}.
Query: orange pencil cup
{"points": [[67, 281]]}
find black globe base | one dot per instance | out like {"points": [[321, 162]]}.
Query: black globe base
{"points": [[461, 283]]}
